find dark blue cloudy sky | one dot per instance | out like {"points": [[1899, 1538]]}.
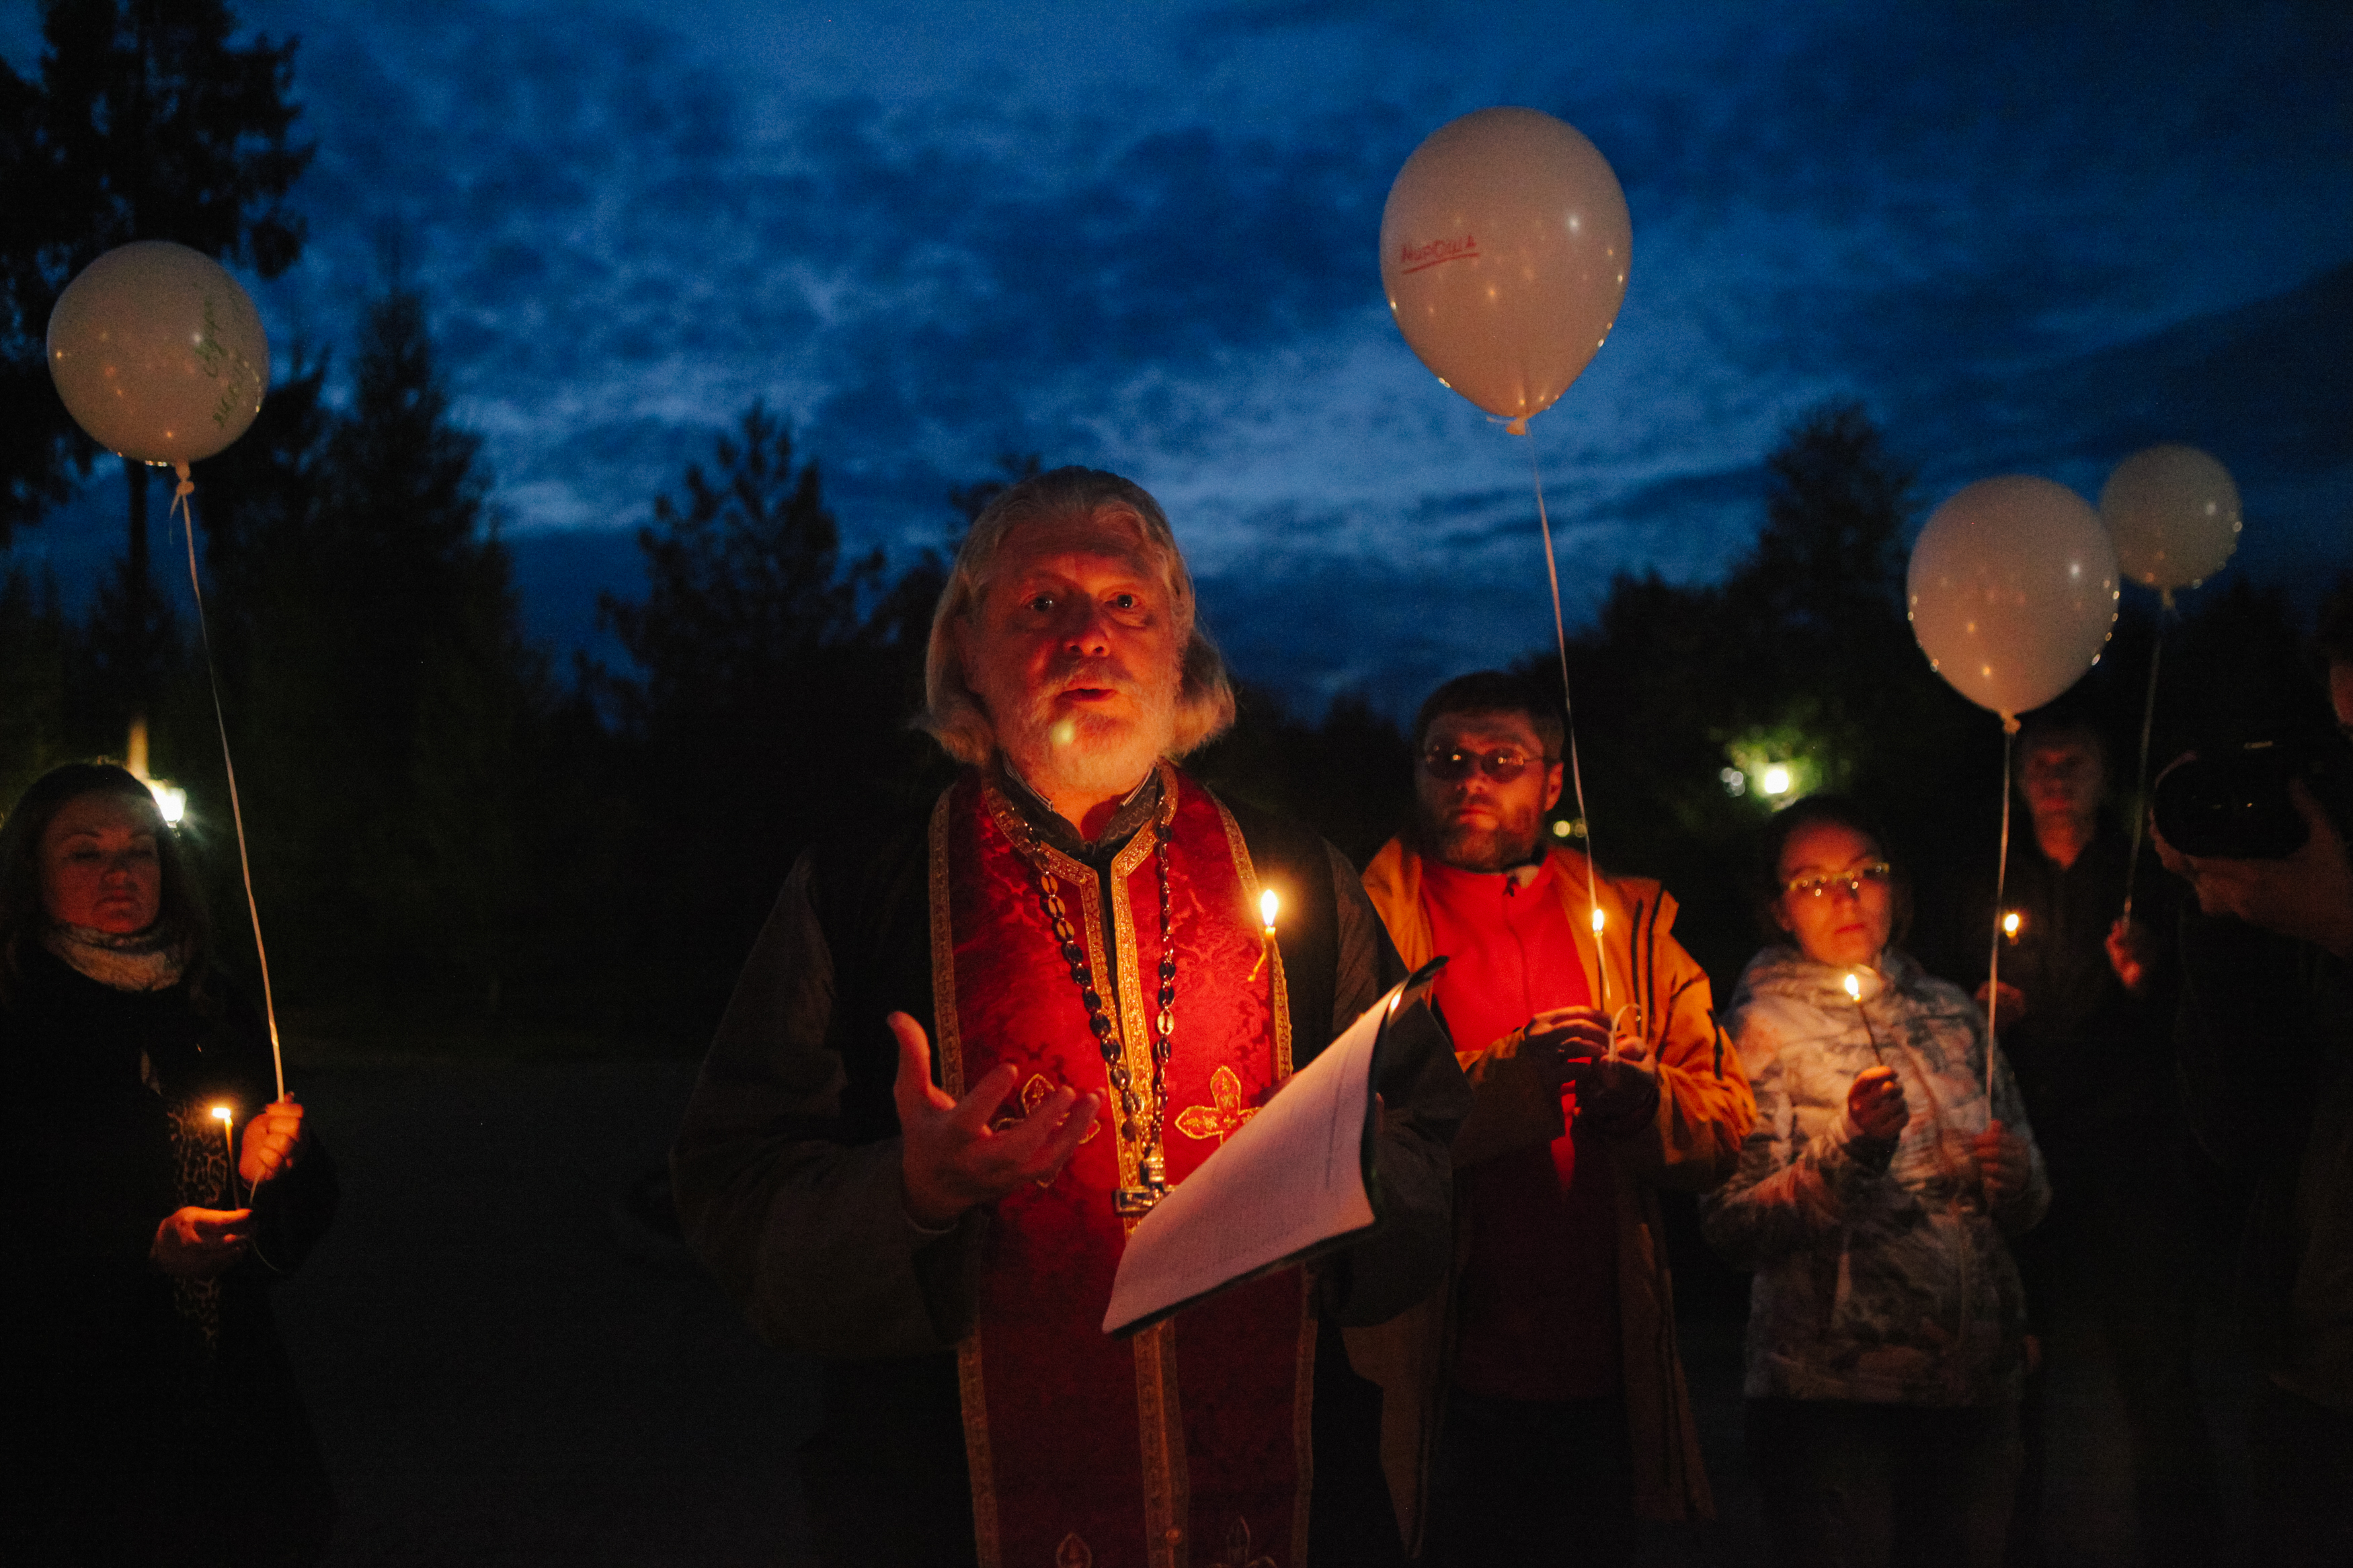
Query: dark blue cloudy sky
{"points": [[2030, 238]]}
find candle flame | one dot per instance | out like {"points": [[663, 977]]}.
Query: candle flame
{"points": [[1853, 987], [222, 1111], [1596, 919], [2009, 923], [1267, 906]]}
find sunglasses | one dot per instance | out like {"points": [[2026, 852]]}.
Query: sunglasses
{"points": [[1877, 873], [1446, 764]]}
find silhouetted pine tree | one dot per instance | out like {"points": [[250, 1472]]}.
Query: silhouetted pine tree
{"points": [[388, 700], [33, 639], [764, 710]]}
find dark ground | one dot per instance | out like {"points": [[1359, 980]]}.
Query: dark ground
{"points": [[505, 1369]]}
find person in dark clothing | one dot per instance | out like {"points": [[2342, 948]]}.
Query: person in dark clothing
{"points": [[153, 1416], [966, 1053], [2266, 1037], [2085, 1018]]}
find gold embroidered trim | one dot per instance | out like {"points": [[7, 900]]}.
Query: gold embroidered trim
{"points": [[971, 1394], [950, 1043], [1160, 1430], [1134, 1031], [1134, 1042], [1248, 871]]}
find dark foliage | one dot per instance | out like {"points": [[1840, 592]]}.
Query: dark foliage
{"points": [[774, 687]]}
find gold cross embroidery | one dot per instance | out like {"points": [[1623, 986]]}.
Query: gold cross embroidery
{"points": [[1034, 1094], [1225, 1118]]}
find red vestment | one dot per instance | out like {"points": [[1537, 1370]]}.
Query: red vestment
{"points": [[1187, 1444]]}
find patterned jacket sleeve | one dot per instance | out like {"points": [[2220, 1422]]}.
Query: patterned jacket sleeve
{"points": [[1789, 1193]]}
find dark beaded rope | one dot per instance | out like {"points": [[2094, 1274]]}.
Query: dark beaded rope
{"points": [[1099, 1013]]}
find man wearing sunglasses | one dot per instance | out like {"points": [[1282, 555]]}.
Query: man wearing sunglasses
{"points": [[1548, 1371]]}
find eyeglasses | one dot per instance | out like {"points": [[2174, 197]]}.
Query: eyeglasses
{"points": [[1446, 764], [1877, 873]]}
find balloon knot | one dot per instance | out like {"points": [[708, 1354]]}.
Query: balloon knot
{"points": [[2164, 600], [2009, 725], [1518, 427], [185, 488]]}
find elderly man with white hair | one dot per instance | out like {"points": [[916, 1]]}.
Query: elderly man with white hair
{"points": [[968, 1053]]}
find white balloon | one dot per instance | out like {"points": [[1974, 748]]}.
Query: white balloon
{"points": [[2174, 515], [1505, 247], [2013, 592], [158, 353]]}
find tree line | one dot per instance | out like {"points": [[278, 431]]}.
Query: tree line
{"points": [[454, 836]]}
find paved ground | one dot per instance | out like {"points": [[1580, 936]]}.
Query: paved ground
{"points": [[504, 1371], [494, 1378]]}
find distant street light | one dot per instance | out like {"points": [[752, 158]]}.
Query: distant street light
{"points": [[1775, 781]]}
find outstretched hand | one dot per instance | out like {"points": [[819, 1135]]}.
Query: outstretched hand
{"points": [[196, 1244], [952, 1158]]}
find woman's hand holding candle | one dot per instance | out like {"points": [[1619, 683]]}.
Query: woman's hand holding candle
{"points": [[196, 1244], [2002, 1163], [272, 1141], [1875, 1103]]}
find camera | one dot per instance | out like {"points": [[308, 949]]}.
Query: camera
{"points": [[2234, 802]]}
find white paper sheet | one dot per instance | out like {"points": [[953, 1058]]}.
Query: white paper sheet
{"points": [[1290, 1179]]}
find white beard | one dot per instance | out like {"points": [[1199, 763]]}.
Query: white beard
{"points": [[1092, 755]]}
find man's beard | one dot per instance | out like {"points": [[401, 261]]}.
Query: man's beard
{"points": [[1090, 752], [1469, 848]]}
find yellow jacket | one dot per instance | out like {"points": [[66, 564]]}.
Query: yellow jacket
{"points": [[1692, 1144]]}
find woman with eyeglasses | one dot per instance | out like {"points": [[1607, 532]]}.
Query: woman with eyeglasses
{"points": [[1886, 1328]]}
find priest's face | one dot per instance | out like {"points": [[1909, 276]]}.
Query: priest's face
{"points": [[1471, 818], [1074, 650]]}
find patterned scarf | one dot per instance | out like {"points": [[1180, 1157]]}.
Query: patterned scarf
{"points": [[143, 960]]}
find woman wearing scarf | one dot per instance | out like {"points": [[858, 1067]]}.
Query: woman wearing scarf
{"points": [[153, 1416], [1886, 1328]]}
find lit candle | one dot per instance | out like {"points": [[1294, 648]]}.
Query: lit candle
{"points": [[229, 1142], [1267, 906], [2010, 924], [1853, 983], [1596, 919]]}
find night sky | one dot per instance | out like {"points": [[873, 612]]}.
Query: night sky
{"points": [[1143, 238]]}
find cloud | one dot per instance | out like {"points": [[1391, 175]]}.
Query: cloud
{"points": [[929, 234]]}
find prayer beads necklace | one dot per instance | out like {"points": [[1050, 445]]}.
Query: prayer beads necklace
{"points": [[1151, 1169]]}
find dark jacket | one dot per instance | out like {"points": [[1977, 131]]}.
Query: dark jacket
{"points": [[171, 1426]]}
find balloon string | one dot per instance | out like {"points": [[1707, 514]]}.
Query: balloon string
{"points": [[186, 508], [1568, 713], [2148, 718], [2000, 880]]}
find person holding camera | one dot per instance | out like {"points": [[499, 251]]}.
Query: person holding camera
{"points": [[2265, 1034]]}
